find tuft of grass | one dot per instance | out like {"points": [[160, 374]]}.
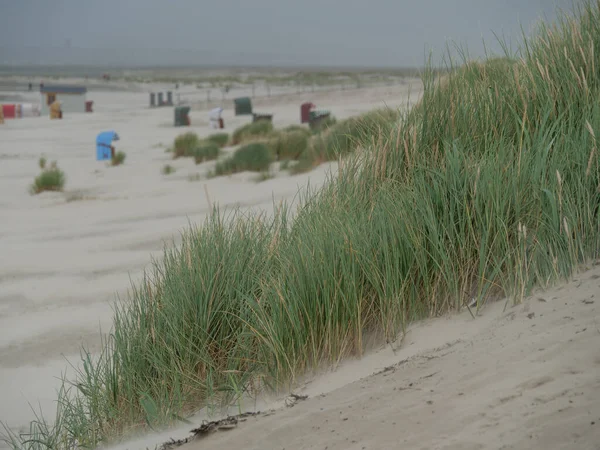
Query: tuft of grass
{"points": [[206, 151], [255, 157], [50, 179], [185, 144], [42, 163], [323, 124], [344, 137], [288, 144], [298, 128], [486, 189], [251, 131], [303, 165], [220, 139], [118, 159], [167, 169]]}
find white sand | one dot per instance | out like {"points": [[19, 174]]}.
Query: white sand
{"points": [[64, 256]]}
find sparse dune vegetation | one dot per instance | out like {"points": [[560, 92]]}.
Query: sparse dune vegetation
{"points": [[252, 132], [484, 190], [206, 151], [289, 144], [118, 158], [185, 144], [254, 157], [50, 179], [168, 169], [220, 139]]}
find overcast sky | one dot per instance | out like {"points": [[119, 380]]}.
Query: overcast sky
{"points": [[261, 32]]}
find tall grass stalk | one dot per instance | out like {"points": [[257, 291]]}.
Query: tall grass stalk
{"points": [[487, 188]]}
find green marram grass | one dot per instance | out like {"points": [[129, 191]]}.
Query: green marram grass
{"points": [[167, 169], [323, 124], [285, 164], [289, 144], [487, 188], [299, 128], [254, 157], [118, 159], [206, 151], [220, 139], [50, 178], [252, 132], [342, 138], [185, 144]]}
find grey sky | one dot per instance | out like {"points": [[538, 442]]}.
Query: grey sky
{"points": [[261, 32]]}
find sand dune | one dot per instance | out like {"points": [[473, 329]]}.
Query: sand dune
{"points": [[524, 377], [66, 255]]}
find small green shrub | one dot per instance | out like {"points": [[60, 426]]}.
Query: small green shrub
{"points": [[344, 137], [225, 167], [52, 179], [323, 124], [185, 144], [167, 169], [221, 139], [255, 157], [42, 163], [302, 166], [289, 145], [206, 151], [252, 131], [118, 159], [299, 128], [316, 152]]}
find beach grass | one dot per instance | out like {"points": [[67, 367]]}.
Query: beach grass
{"points": [[220, 139], [289, 144], [339, 139], [185, 144], [254, 157], [50, 179], [206, 151], [324, 124], [251, 132], [298, 128], [485, 189], [118, 158], [167, 169]]}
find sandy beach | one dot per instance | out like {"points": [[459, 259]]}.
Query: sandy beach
{"points": [[524, 377], [517, 377], [513, 377], [395, 244], [66, 256]]}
